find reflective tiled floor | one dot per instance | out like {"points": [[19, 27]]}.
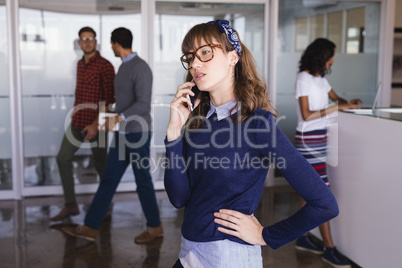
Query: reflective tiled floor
{"points": [[28, 239]]}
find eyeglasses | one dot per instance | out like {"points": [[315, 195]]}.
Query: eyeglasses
{"points": [[204, 53], [87, 39]]}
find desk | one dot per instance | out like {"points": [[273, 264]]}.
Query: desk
{"points": [[366, 181]]}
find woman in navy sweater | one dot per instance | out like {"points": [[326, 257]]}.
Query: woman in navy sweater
{"points": [[219, 150]]}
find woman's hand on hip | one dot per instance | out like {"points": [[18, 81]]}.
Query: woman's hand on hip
{"points": [[245, 227]]}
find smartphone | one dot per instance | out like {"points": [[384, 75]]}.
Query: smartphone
{"points": [[196, 92], [84, 133]]}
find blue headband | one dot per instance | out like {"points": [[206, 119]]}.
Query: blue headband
{"points": [[224, 27]]}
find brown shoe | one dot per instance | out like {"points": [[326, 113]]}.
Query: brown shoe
{"points": [[67, 211], [108, 215], [149, 234], [82, 231]]}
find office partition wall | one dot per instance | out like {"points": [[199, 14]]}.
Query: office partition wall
{"points": [[6, 182], [355, 29]]}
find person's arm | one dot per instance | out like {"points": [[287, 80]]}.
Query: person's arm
{"points": [[334, 97], [107, 83], [321, 205], [342, 104], [177, 184], [308, 115]]}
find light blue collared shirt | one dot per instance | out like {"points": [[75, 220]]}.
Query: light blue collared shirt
{"points": [[129, 57], [221, 253], [223, 110]]}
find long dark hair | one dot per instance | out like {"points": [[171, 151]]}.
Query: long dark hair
{"points": [[316, 55], [249, 89]]}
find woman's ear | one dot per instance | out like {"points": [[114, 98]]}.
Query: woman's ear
{"points": [[233, 57]]}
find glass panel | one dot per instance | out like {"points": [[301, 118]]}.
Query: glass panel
{"points": [[8, 229], [335, 23], [397, 62], [353, 76], [5, 134], [301, 33], [317, 27], [172, 21], [49, 55], [355, 30], [111, 22]]}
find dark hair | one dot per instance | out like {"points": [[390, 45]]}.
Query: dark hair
{"points": [[122, 36], [86, 29], [249, 89], [316, 55]]}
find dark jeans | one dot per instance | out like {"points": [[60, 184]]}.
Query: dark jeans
{"points": [[134, 149], [70, 144]]}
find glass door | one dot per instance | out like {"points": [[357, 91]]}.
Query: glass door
{"points": [[49, 54], [355, 29], [6, 175]]}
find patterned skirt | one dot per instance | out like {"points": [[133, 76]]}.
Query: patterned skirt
{"points": [[313, 146]]}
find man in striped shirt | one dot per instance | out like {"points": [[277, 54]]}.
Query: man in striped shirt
{"points": [[95, 77]]}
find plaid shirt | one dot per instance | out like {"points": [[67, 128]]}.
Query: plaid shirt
{"points": [[94, 85]]}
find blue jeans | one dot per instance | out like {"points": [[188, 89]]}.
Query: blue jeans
{"points": [[126, 148]]}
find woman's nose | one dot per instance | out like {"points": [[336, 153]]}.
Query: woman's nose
{"points": [[196, 62]]}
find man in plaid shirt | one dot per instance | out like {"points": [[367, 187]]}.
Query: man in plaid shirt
{"points": [[95, 78]]}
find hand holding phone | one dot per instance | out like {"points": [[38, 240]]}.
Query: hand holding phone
{"points": [[196, 92]]}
